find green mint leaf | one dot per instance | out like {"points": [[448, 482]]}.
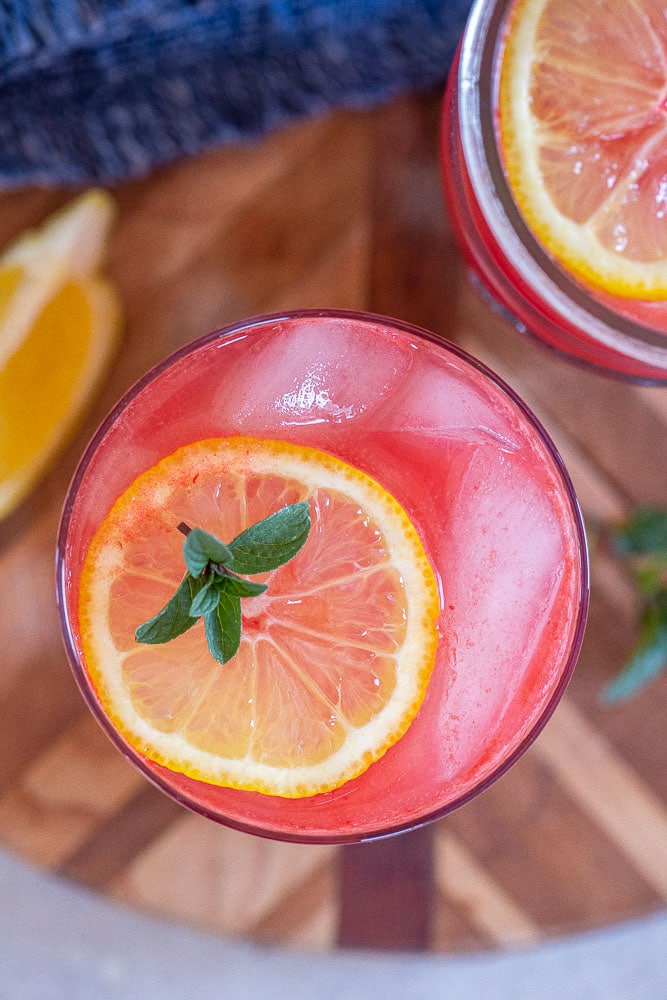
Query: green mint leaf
{"points": [[242, 588], [645, 532], [273, 541], [648, 660], [206, 600], [648, 578], [200, 548], [223, 627], [641, 544], [174, 618], [212, 589]]}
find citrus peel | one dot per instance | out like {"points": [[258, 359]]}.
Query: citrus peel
{"points": [[335, 657], [583, 136], [59, 321]]}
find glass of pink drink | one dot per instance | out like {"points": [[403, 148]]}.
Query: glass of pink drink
{"points": [[625, 337], [481, 482]]}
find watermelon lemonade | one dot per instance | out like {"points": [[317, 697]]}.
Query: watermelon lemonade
{"points": [[553, 145], [478, 478]]}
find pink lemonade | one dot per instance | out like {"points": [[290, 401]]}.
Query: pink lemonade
{"points": [[481, 482], [619, 336]]}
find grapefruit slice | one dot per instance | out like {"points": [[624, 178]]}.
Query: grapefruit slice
{"points": [[335, 656], [583, 135]]}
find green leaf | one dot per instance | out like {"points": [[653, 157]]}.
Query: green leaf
{"points": [[242, 588], [175, 617], [211, 589], [200, 548], [223, 627], [648, 660], [206, 599], [641, 544], [648, 577], [273, 541], [645, 532]]}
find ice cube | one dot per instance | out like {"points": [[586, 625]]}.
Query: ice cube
{"points": [[440, 399], [311, 372], [502, 560]]}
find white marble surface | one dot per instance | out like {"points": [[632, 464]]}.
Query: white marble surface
{"points": [[58, 942]]}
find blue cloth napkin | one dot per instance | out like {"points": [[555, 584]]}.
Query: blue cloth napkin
{"points": [[101, 90]]}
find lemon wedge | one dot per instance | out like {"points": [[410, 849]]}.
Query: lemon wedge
{"points": [[59, 320]]}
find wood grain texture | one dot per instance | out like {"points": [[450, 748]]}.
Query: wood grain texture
{"points": [[342, 211]]}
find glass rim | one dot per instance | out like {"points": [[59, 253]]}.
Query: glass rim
{"points": [[228, 332], [476, 100]]}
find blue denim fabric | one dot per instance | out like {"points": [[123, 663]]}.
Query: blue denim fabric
{"points": [[101, 90]]}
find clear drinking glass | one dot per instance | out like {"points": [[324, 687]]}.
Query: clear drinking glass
{"points": [[622, 337], [479, 478]]}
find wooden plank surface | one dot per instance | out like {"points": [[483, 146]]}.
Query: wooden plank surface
{"points": [[345, 211]]}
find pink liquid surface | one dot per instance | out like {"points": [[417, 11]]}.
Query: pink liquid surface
{"points": [[483, 487]]}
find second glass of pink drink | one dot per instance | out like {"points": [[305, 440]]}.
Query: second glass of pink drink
{"points": [[601, 89], [482, 484]]}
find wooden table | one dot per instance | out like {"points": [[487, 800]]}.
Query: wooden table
{"points": [[347, 212]]}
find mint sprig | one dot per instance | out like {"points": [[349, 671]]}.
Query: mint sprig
{"points": [[212, 588], [641, 544]]}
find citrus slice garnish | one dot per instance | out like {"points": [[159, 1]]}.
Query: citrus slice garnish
{"points": [[58, 323], [583, 135], [335, 656]]}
